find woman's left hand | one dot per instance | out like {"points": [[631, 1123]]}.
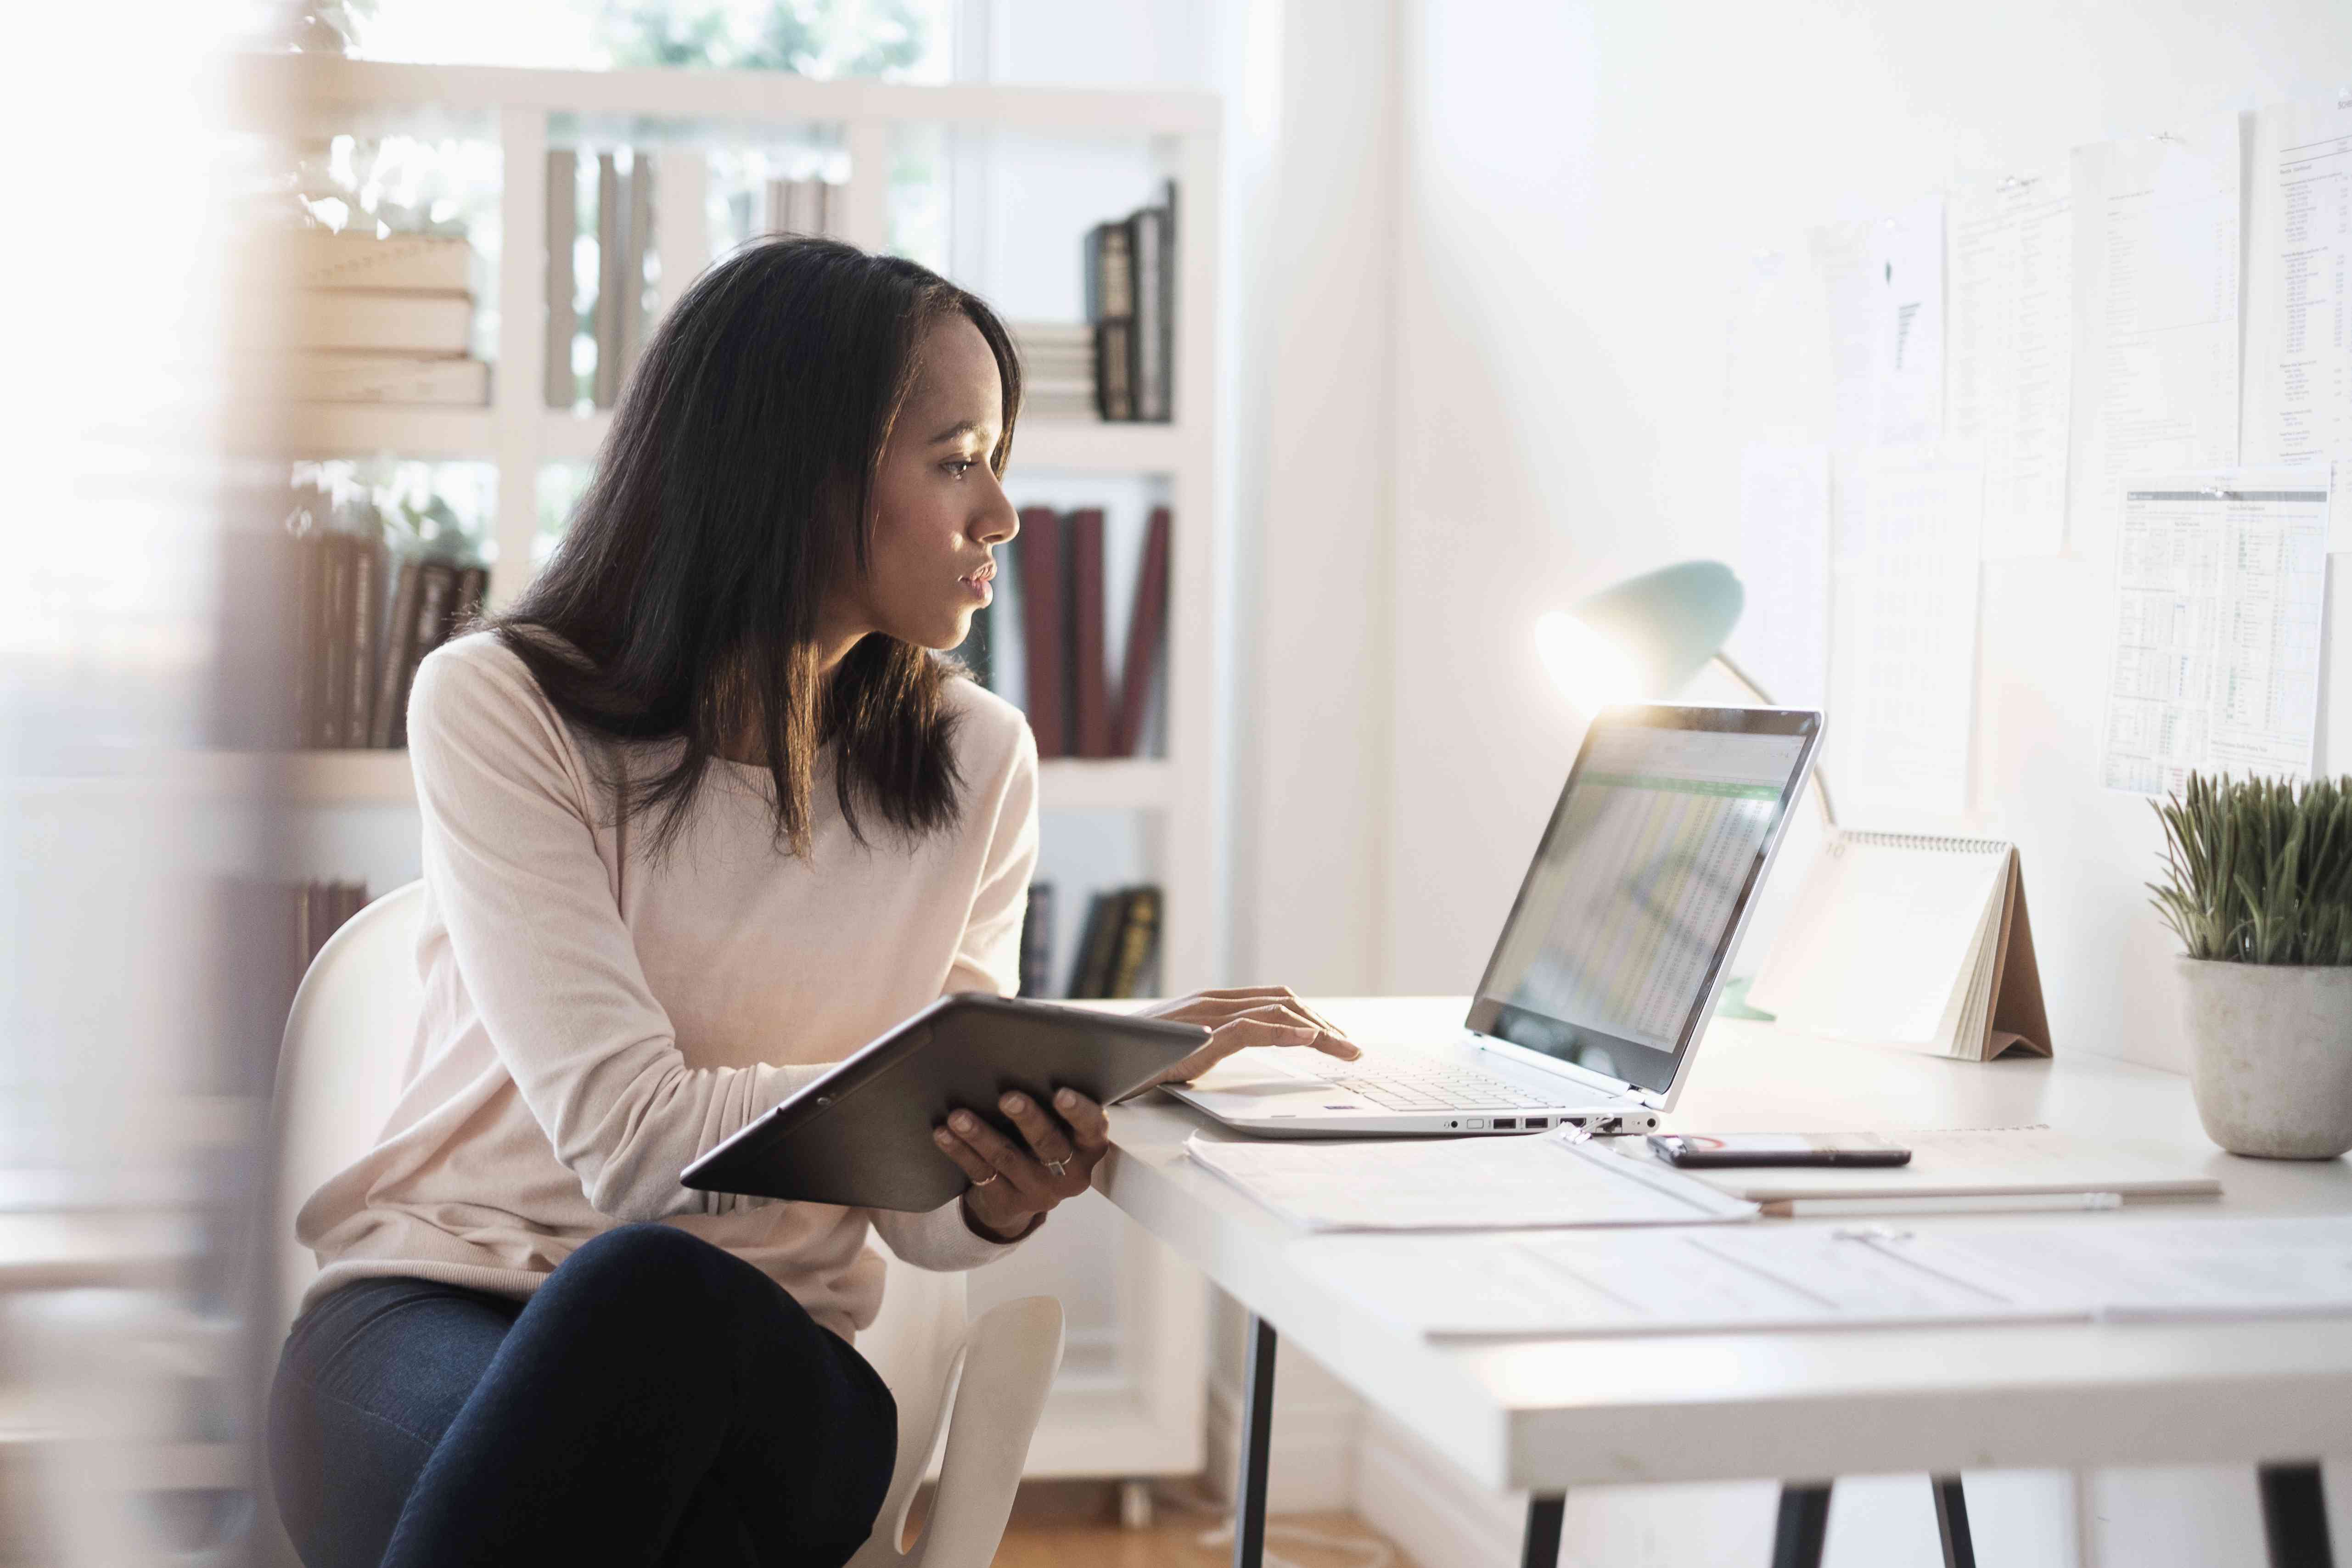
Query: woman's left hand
{"points": [[1013, 1187]]}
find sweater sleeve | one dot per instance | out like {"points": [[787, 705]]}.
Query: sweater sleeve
{"points": [[510, 853], [988, 959]]}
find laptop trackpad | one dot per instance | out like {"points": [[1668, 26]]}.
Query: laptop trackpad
{"points": [[1264, 1070]]}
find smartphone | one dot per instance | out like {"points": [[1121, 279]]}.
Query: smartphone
{"points": [[1696, 1150]]}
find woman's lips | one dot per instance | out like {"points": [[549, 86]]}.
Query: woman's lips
{"points": [[981, 584]]}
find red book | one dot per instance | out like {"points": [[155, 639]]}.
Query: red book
{"points": [[1089, 654], [1146, 629], [1037, 554]]}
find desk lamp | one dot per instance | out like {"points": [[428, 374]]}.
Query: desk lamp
{"points": [[1644, 639]]}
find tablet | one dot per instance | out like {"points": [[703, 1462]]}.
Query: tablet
{"points": [[861, 1135]]}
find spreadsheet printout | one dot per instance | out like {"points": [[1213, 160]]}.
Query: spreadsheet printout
{"points": [[2156, 301], [2299, 342], [2220, 584], [2012, 353]]}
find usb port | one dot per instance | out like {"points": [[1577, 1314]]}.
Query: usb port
{"points": [[1506, 1125], [1535, 1122]]}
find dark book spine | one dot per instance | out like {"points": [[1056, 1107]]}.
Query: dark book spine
{"points": [[399, 644], [1168, 302], [1086, 965], [1089, 672], [1147, 627], [367, 608], [1139, 936], [436, 583], [1150, 257], [1038, 549], [335, 673], [1037, 939], [307, 654]]}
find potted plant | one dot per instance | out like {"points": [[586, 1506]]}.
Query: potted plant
{"points": [[2258, 886]]}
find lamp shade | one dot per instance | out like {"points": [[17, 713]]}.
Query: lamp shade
{"points": [[1642, 639]]}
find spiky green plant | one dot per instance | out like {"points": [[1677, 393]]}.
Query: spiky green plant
{"points": [[2259, 870]]}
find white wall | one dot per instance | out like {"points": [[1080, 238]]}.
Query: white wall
{"points": [[1581, 182]]}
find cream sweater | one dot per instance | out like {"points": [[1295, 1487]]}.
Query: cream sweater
{"points": [[595, 1018]]}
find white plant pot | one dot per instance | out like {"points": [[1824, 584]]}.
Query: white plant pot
{"points": [[2270, 1050]]}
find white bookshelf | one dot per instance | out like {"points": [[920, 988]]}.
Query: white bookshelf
{"points": [[1148, 1418]]}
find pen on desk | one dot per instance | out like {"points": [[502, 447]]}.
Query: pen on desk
{"points": [[2011, 1203]]}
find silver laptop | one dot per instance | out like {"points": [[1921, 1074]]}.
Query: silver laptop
{"points": [[1609, 964]]}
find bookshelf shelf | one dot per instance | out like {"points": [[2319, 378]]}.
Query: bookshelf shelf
{"points": [[357, 777]]}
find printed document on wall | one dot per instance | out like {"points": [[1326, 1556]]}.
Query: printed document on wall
{"points": [[1906, 283], [2220, 590], [2012, 352], [2299, 340], [1906, 661], [2156, 226], [1841, 255], [1783, 637]]}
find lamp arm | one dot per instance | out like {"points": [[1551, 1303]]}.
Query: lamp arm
{"points": [[1820, 780]]}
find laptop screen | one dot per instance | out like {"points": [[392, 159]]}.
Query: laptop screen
{"points": [[1611, 957]]}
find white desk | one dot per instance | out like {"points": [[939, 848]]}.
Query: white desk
{"points": [[1546, 1415]]}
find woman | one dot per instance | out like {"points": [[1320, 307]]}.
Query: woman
{"points": [[702, 813]]}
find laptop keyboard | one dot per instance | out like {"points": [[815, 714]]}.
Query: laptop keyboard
{"points": [[1395, 1086]]}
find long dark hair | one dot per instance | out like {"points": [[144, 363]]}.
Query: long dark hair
{"points": [[735, 487]]}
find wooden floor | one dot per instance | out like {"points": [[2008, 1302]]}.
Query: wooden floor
{"points": [[1174, 1542], [1074, 1524]]}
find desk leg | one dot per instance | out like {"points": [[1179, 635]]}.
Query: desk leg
{"points": [[1804, 1525], [1258, 1433], [1952, 1523], [1541, 1549], [2294, 1517]]}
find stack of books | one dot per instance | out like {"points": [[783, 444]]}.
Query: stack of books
{"points": [[1131, 285], [320, 911], [614, 312], [1057, 369], [385, 320], [1118, 952], [360, 635], [1057, 577]]}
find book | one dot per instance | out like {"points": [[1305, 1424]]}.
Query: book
{"points": [[358, 258], [466, 602], [1113, 369], [608, 280], [309, 644], [562, 306], [1110, 307], [414, 322], [1904, 940], [1147, 627], [357, 375], [436, 582], [1091, 696], [335, 609], [1148, 257], [1038, 552], [1138, 942], [635, 242], [1098, 945], [397, 669], [1037, 939], [367, 561]]}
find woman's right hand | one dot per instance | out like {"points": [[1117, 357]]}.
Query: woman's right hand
{"points": [[1238, 1019]]}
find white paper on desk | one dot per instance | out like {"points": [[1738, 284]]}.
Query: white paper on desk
{"points": [[1954, 1161], [1904, 276], [1783, 637], [2012, 352], [2220, 600], [2156, 226], [2155, 1269], [2299, 261], [1595, 1283], [1458, 1183], [1903, 663]]}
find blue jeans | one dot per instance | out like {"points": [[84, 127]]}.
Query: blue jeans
{"points": [[658, 1401]]}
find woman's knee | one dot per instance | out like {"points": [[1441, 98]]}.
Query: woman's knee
{"points": [[656, 1272]]}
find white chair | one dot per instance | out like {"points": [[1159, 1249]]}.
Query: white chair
{"points": [[338, 1077]]}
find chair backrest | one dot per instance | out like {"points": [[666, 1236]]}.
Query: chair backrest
{"points": [[339, 1067], [338, 1072]]}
